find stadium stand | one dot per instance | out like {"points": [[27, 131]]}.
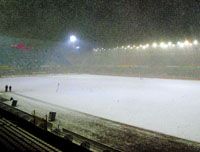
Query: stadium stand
{"points": [[14, 138], [174, 62], [28, 127], [16, 60], [18, 133]]}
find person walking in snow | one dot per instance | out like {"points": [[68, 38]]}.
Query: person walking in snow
{"points": [[58, 85]]}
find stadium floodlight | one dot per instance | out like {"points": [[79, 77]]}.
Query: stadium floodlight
{"points": [[169, 44], [187, 43], [173, 45], [195, 42], [72, 39], [180, 44], [143, 47], [154, 45], [77, 47], [147, 45], [163, 45]]}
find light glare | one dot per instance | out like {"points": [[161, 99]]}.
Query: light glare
{"points": [[195, 42], [73, 38]]}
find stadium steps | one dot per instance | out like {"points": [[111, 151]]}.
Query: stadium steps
{"points": [[12, 135], [15, 138], [31, 138]]}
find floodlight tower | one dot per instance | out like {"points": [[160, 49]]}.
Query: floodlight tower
{"points": [[72, 39]]}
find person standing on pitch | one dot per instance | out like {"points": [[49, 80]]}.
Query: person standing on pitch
{"points": [[10, 88], [6, 88], [58, 85]]}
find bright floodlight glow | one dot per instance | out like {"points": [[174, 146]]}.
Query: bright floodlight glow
{"points": [[187, 43], [169, 44], [180, 44], [95, 50], [163, 45], [145, 46], [195, 42], [154, 45], [78, 47], [73, 38]]}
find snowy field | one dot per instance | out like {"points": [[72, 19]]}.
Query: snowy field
{"points": [[168, 106]]}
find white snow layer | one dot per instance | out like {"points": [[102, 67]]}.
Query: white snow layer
{"points": [[168, 106]]}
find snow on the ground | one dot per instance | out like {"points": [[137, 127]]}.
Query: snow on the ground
{"points": [[168, 106]]}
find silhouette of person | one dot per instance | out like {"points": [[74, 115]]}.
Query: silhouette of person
{"points": [[57, 87], [10, 88], [6, 88]]}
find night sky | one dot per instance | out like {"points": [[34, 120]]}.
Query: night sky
{"points": [[101, 22]]}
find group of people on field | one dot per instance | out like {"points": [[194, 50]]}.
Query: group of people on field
{"points": [[8, 88]]}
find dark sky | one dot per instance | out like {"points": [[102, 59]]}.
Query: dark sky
{"points": [[102, 22]]}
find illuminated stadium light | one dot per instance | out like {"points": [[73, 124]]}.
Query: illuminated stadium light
{"points": [[163, 45], [154, 45], [96, 50], [187, 43], [140, 45], [169, 44], [195, 42], [180, 44], [72, 39], [145, 46], [78, 47]]}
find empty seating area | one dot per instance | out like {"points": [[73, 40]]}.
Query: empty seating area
{"points": [[14, 138], [19, 133], [14, 122]]}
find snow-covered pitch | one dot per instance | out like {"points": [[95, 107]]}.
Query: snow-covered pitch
{"points": [[168, 106]]}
